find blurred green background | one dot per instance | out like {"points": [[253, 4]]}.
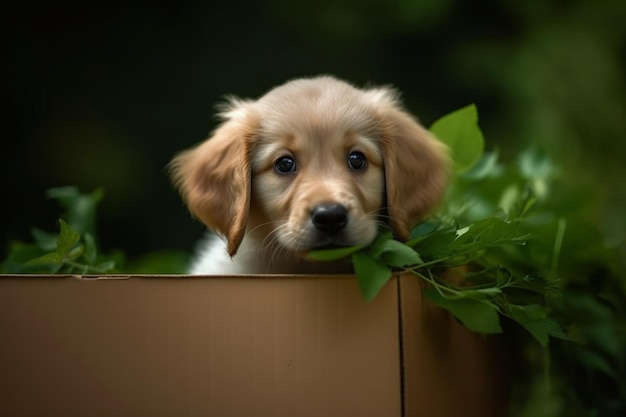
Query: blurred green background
{"points": [[103, 95]]}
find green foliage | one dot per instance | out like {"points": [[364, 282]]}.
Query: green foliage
{"points": [[73, 250], [490, 290]]}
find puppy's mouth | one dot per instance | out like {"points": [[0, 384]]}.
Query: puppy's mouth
{"points": [[331, 241], [329, 246], [323, 242]]}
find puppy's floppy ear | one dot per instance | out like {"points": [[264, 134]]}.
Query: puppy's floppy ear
{"points": [[214, 177], [417, 165]]}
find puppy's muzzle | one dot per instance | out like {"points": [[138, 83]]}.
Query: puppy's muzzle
{"points": [[329, 218]]}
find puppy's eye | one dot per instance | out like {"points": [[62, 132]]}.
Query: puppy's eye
{"points": [[285, 165], [357, 161]]}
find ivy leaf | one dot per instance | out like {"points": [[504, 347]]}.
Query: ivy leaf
{"points": [[371, 274], [68, 238], [477, 315], [459, 130], [52, 258]]}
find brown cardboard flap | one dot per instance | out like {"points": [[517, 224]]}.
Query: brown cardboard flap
{"points": [[197, 346]]}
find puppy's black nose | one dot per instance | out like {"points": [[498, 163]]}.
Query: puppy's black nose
{"points": [[329, 218]]}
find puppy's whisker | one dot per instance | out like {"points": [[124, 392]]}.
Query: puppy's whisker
{"points": [[272, 242], [264, 225], [379, 212]]}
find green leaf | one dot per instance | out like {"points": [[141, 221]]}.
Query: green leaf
{"points": [[535, 283], [50, 263], [75, 253], [490, 233], [333, 254], [394, 253], [68, 238], [421, 231], [461, 245], [503, 275], [437, 244], [549, 326], [52, 258], [424, 229], [534, 318], [372, 275], [460, 131], [478, 316]]}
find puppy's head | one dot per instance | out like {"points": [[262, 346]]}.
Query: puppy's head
{"points": [[313, 163]]}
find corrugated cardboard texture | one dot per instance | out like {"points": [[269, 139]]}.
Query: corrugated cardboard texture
{"points": [[192, 346]]}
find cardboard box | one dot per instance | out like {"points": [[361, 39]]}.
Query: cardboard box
{"points": [[237, 346]]}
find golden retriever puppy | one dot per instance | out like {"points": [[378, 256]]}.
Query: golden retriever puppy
{"points": [[314, 163]]}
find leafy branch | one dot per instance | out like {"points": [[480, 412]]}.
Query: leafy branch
{"points": [[485, 292]]}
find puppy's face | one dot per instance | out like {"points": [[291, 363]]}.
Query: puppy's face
{"points": [[317, 187], [313, 163]]}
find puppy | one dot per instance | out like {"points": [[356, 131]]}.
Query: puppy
{"points": [[314, 163]]}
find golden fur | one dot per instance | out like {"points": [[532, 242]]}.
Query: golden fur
{"points": [[233, 182]]}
